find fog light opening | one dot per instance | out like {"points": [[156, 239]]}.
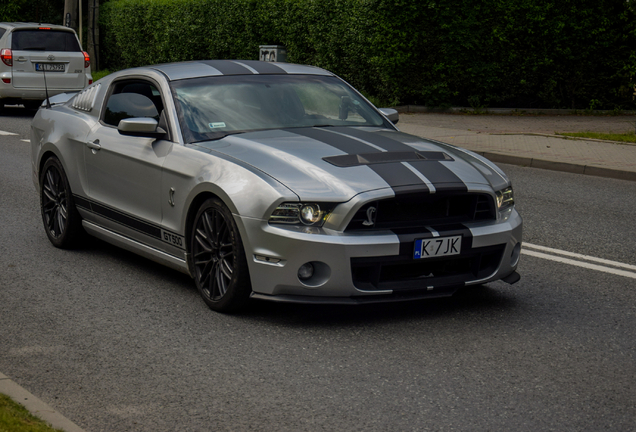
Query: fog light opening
{"points": [[306, 271], [516, 253]]}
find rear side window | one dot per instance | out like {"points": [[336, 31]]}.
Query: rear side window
{"points": [[2, 32], [44, 40], [132, 99]]}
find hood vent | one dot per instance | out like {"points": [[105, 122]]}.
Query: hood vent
{"points": [[353, 160]]}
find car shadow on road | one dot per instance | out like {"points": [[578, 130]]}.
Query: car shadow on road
{"points": [[478, 300], [17, 111]]}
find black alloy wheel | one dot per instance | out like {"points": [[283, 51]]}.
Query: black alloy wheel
{"points": [[62, 222], [218, 258]]}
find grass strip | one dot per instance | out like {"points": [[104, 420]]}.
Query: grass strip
{"points": [[627, 137], [100, 74], [15, 418]]}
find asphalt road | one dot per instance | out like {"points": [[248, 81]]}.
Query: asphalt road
{"points": [[118, 343]]}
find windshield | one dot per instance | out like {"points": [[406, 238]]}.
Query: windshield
{"points": [[213, 107]]}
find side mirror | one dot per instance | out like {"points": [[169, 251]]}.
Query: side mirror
{"points": [[391, 114], [141, 127]]}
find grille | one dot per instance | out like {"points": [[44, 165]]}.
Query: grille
{"points": [[418, 210], [400, 273]]}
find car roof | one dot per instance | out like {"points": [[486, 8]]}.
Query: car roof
{"points": [[205, 68], [27, 25]]}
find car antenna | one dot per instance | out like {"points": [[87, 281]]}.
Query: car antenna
{"points": [[46, 89]]}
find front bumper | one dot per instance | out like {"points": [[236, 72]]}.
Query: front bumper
{"points": [[372, 267]]}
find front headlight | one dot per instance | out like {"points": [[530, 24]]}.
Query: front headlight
{"points": [[505, 199], [307, 214]]}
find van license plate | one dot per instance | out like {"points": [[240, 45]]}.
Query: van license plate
{"points": [[50, 67], [437, 247]]}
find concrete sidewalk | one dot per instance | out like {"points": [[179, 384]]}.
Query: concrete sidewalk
{"points": [[531, 140]]}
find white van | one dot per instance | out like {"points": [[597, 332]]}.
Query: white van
{"points": [[31, 53]]}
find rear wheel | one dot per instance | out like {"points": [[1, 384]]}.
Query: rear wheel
{"points": [[62, 222], [218, 258]]}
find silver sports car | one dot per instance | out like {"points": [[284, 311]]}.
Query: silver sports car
{"points": [[270, 181]]}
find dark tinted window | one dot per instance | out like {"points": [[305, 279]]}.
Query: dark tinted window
{"points": [[44, 40], [2, 32], [132, 99]]}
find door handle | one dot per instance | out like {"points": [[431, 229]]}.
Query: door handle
{"points": [[94, 145]]}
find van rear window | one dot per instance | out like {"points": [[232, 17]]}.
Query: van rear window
{"points": [[44, 40]]}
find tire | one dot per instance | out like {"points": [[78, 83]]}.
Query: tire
{"points": [[218, 261], [62, 222]]}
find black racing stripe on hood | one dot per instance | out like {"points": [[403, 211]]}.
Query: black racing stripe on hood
{"points": [[395, 174], [386, 143], [342, 143], [228, 68], [439, 175], [400, 178]]}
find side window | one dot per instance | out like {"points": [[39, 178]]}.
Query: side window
{"points": [[2, 32], [132, 99]]}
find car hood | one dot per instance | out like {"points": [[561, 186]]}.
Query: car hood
{"points": [[337, 163]]}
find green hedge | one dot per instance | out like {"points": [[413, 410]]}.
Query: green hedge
{"points": [[517, 53]]}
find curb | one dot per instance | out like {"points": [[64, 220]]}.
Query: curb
{"points": [[565, 137], [559, 166], [36, 406], [517, 111]]}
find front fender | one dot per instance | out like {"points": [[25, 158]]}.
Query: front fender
{"points": [[188, 173]]}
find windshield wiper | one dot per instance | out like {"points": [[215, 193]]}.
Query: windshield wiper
{"points": [[34, 49], [221, 135]]}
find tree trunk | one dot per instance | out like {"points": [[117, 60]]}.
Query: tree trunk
{"points": [[70, 7], [92, 40]]}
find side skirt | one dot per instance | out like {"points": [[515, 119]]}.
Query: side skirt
{"points": [[136, 247]]}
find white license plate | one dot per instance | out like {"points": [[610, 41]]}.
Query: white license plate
{"points": [[50, 67], [437, 247]]}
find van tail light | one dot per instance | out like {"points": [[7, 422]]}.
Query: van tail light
{"points": [[7, 56], [6, 80], [87, 59]]}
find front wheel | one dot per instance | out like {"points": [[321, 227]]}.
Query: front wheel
{"points": [[62, 222], [218, 258]]}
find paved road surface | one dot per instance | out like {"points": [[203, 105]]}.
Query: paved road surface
{"points": [[118, 343]]}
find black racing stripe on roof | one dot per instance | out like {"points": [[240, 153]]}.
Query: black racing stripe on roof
{"points": [[228, 67], [263, 67], [400, 178]]}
